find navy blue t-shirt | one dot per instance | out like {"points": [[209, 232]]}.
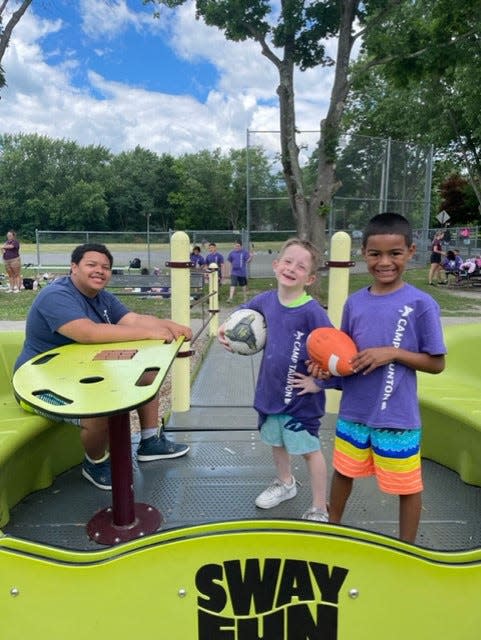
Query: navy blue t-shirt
{"points": [[61, 302]]}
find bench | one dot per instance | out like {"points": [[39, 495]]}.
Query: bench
{"points": [[33, 450], [151, 284], [451, 405]]}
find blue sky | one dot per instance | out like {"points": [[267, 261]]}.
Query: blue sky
{"points": [[106, 72]]}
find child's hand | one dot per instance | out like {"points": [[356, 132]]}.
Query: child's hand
{"points": [[221, 338], [369, 359], [315, 370], [306, 384]]}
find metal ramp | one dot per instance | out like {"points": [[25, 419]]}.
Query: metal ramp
{"points": [[228, 466]]}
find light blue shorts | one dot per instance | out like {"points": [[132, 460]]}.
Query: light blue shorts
{"points": [[285, 431]]}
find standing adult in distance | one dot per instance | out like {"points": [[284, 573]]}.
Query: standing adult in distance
{"points": [[11, 259], [239, 258]]}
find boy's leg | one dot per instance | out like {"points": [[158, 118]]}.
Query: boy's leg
{"points": [[341, 487], [283, 487], [94, 435], [399, 472], [318, 476], [353, 458], [154, 445], [282, 461], [409, 516]]}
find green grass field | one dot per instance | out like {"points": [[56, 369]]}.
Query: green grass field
{"points": [[452, 302]]}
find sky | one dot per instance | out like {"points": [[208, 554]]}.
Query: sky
{"points": [[105, 72]]}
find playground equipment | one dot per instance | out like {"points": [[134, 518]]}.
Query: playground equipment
{"points": [[242, 579]]}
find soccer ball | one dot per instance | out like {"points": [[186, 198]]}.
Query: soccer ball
{"points": [[331, 349], [245, 331]]}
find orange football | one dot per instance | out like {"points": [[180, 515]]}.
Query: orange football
{"points": [[331, 349]]}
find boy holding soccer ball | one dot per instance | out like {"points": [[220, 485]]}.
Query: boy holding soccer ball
{"points": [[289, 401]]}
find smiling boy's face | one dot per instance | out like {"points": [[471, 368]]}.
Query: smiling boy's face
{"points": [[92, 273], [387, 256], [293, 269]]}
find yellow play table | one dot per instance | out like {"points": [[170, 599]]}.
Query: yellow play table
{"points": [[89, 380]]}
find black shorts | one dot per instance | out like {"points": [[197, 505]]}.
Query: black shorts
{"points": [[238, 281], [435, 258]]}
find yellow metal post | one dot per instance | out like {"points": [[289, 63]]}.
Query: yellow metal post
{"points": [[214, 299], [180, 312], [340, 257]]}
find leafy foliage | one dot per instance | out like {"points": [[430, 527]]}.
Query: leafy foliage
{"points": [[426, 88], [57, 184]]}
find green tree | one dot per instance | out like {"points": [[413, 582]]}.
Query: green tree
{"points": [[41, 183], [202, 200], [134, 190], [426, 90], [293, 35], [458, 199]]}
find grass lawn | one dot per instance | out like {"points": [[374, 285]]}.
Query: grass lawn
{"points": [[453, 302]]}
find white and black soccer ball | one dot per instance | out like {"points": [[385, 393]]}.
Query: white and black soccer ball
{"points": [[245, 331]]}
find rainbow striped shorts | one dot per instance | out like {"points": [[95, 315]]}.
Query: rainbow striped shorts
{"points": [[392, 455]]}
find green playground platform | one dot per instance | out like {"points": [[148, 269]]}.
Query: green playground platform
{"points": [[221, 569]]}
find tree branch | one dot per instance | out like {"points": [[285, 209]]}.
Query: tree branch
{"points": [[265, 49], [373, 22], [11, 24]]}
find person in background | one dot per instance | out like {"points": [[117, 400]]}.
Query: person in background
{"points": [[290, 402], [239, 258], [397, 330], [77, 308], [213, 256], [196, 258], [435, 260], [451, 264], [11, 259]]}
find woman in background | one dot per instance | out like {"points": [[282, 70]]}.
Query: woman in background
{"points": [[436, 268], [11, 258]]}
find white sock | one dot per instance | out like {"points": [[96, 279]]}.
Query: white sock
{"points": [[103, 459], [148, 433]]}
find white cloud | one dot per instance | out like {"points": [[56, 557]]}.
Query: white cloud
{"points": [[107, 20], [40, 97]]}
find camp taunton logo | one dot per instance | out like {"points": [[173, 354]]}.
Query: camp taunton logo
{"points": [[399, 331], [277, 599]]}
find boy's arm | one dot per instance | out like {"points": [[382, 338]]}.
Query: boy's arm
{"points": [[369, 359]]}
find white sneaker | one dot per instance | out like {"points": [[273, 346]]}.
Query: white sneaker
{"points": [[276, 493], [316, 514]]}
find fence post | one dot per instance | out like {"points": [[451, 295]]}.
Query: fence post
{"points": [[180, 312], [213, 299], [339, 263]]}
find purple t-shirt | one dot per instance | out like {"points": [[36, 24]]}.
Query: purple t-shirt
{"points": [[216, 257], [285, 353], [408, 319], [61, 302], [239, 260], [197, 260], [12, 250]]}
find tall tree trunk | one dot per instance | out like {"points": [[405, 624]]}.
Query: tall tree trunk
{"points": [[310, 211]]}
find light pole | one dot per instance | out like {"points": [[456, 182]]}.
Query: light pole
{"points": [[148, 240]]}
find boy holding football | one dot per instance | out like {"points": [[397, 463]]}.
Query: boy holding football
{"points": [[397, 330], [289, 401]]}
